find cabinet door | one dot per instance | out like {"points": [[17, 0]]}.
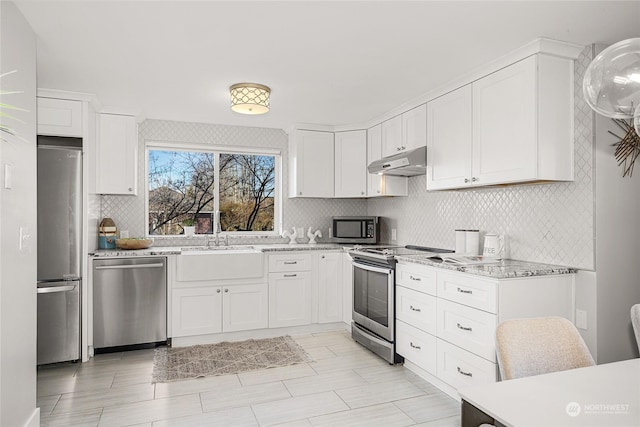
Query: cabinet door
{"points": [[244, 307], [59, 117], [289, 299], [392, 136], [196, 311], [351, 164], [449, 140], [312, 164], [417, 346], [504, 125], [117, 155], [414, 128], [347, 289], [382, 185], [330, 287]]}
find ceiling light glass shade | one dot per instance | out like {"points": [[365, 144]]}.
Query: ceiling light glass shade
{"points": [[250, 98], [611, 83]]}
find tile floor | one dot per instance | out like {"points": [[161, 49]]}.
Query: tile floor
{"points": [[345, 385]]}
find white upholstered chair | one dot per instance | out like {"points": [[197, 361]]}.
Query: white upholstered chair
{"points": [[540, 345], [635, 321]]}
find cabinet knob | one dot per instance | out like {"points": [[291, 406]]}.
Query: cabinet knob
{"points": [[474, 179], [378, 191], [226, 290], [218, 291], [322, 256], [398, 148], [362, 192], [466, 180], [130, 189], [300, 193]]}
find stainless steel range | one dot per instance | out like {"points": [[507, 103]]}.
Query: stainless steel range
{"points": [[374, 295]]}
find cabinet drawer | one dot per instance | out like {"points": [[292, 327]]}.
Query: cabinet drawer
{"points": [[289, 262], [466, 327], [459, 368], [467, 290], [416, 346], [416, 309], [417, 278]]}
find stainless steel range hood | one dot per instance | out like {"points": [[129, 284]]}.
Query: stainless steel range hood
{"points": [[408, 163]]}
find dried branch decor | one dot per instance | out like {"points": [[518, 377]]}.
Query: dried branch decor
{"points": [[628, 148]]}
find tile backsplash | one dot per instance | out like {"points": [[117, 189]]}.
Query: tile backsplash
{"points": [[548, 223]]}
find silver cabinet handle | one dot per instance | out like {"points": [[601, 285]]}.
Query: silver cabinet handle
{"points": [[474, 179], [290, 275], [417, 279], [218, 291], [466, 374], [290, 262], [417, 347], [226, 290], [128, 266], [415, 309], [130, 189], [466, 180], [54, 289], [465, 291], [465, 328]]}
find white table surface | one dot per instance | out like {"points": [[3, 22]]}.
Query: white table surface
{"points": [[602, 395]]}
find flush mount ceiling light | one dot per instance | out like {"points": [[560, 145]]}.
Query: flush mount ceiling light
{"points": [[250, 98]]}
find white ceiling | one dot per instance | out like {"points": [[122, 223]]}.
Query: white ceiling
{"points": [[326, 62]]}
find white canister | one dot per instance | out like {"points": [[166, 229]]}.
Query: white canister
{"points": [[461, 241], [472, 242]]}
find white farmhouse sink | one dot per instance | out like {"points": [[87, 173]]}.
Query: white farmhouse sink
{"points": [[240, 262]]}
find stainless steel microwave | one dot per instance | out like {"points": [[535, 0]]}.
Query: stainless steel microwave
{"points": [[355, 229]]}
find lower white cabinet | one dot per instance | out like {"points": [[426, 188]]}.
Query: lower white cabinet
{"points": [[215, 309], [446, 320], [289, 299], [330, 287]]}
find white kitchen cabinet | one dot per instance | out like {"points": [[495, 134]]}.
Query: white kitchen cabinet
{"points": [[447, 319], [449, 139], [311, 164], [330, 287], [59, 117], [214, 309], [405, 132], [382, 185], [351, 164], [347, 288], [244, 307], [117, 155], [289, 299], [521, 124], [196, 311]]}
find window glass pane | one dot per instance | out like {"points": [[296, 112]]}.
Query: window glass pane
{"points": [[181, 191], [247, 184]]}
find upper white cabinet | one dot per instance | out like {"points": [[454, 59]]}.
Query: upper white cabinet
{"points": [[117, 155], [405, 132], [59, 117], [351, 164], [514, 125], [311, 164], [382, 185]]}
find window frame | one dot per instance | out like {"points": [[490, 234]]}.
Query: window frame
{"points": [[216, 150]]}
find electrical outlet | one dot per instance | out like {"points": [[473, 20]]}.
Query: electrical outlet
{"points": [[394, 235], [581, 319]]}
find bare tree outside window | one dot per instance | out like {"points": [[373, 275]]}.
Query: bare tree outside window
{"points": [[182, 191]]}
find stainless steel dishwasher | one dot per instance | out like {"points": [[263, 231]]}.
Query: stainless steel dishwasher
{"points": [[129, 301]]}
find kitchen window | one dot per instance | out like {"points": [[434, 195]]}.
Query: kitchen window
{"points": [[201, 187]]}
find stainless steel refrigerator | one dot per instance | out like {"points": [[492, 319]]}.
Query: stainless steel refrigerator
{"points": [[59, 248]]}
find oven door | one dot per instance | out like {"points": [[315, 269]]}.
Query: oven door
{"points": [[373, 300]]}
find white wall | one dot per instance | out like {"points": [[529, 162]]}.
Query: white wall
{"points": [[617, 248], [18, 210]]}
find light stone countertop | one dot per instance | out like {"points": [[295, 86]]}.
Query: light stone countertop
{"points": [[504, 269], [177, 250]]}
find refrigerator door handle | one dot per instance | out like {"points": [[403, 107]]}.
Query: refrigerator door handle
{"points": [[128, 266], [52, 289]]}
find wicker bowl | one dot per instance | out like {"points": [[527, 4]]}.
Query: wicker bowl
{"points": [[134, 243]]}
